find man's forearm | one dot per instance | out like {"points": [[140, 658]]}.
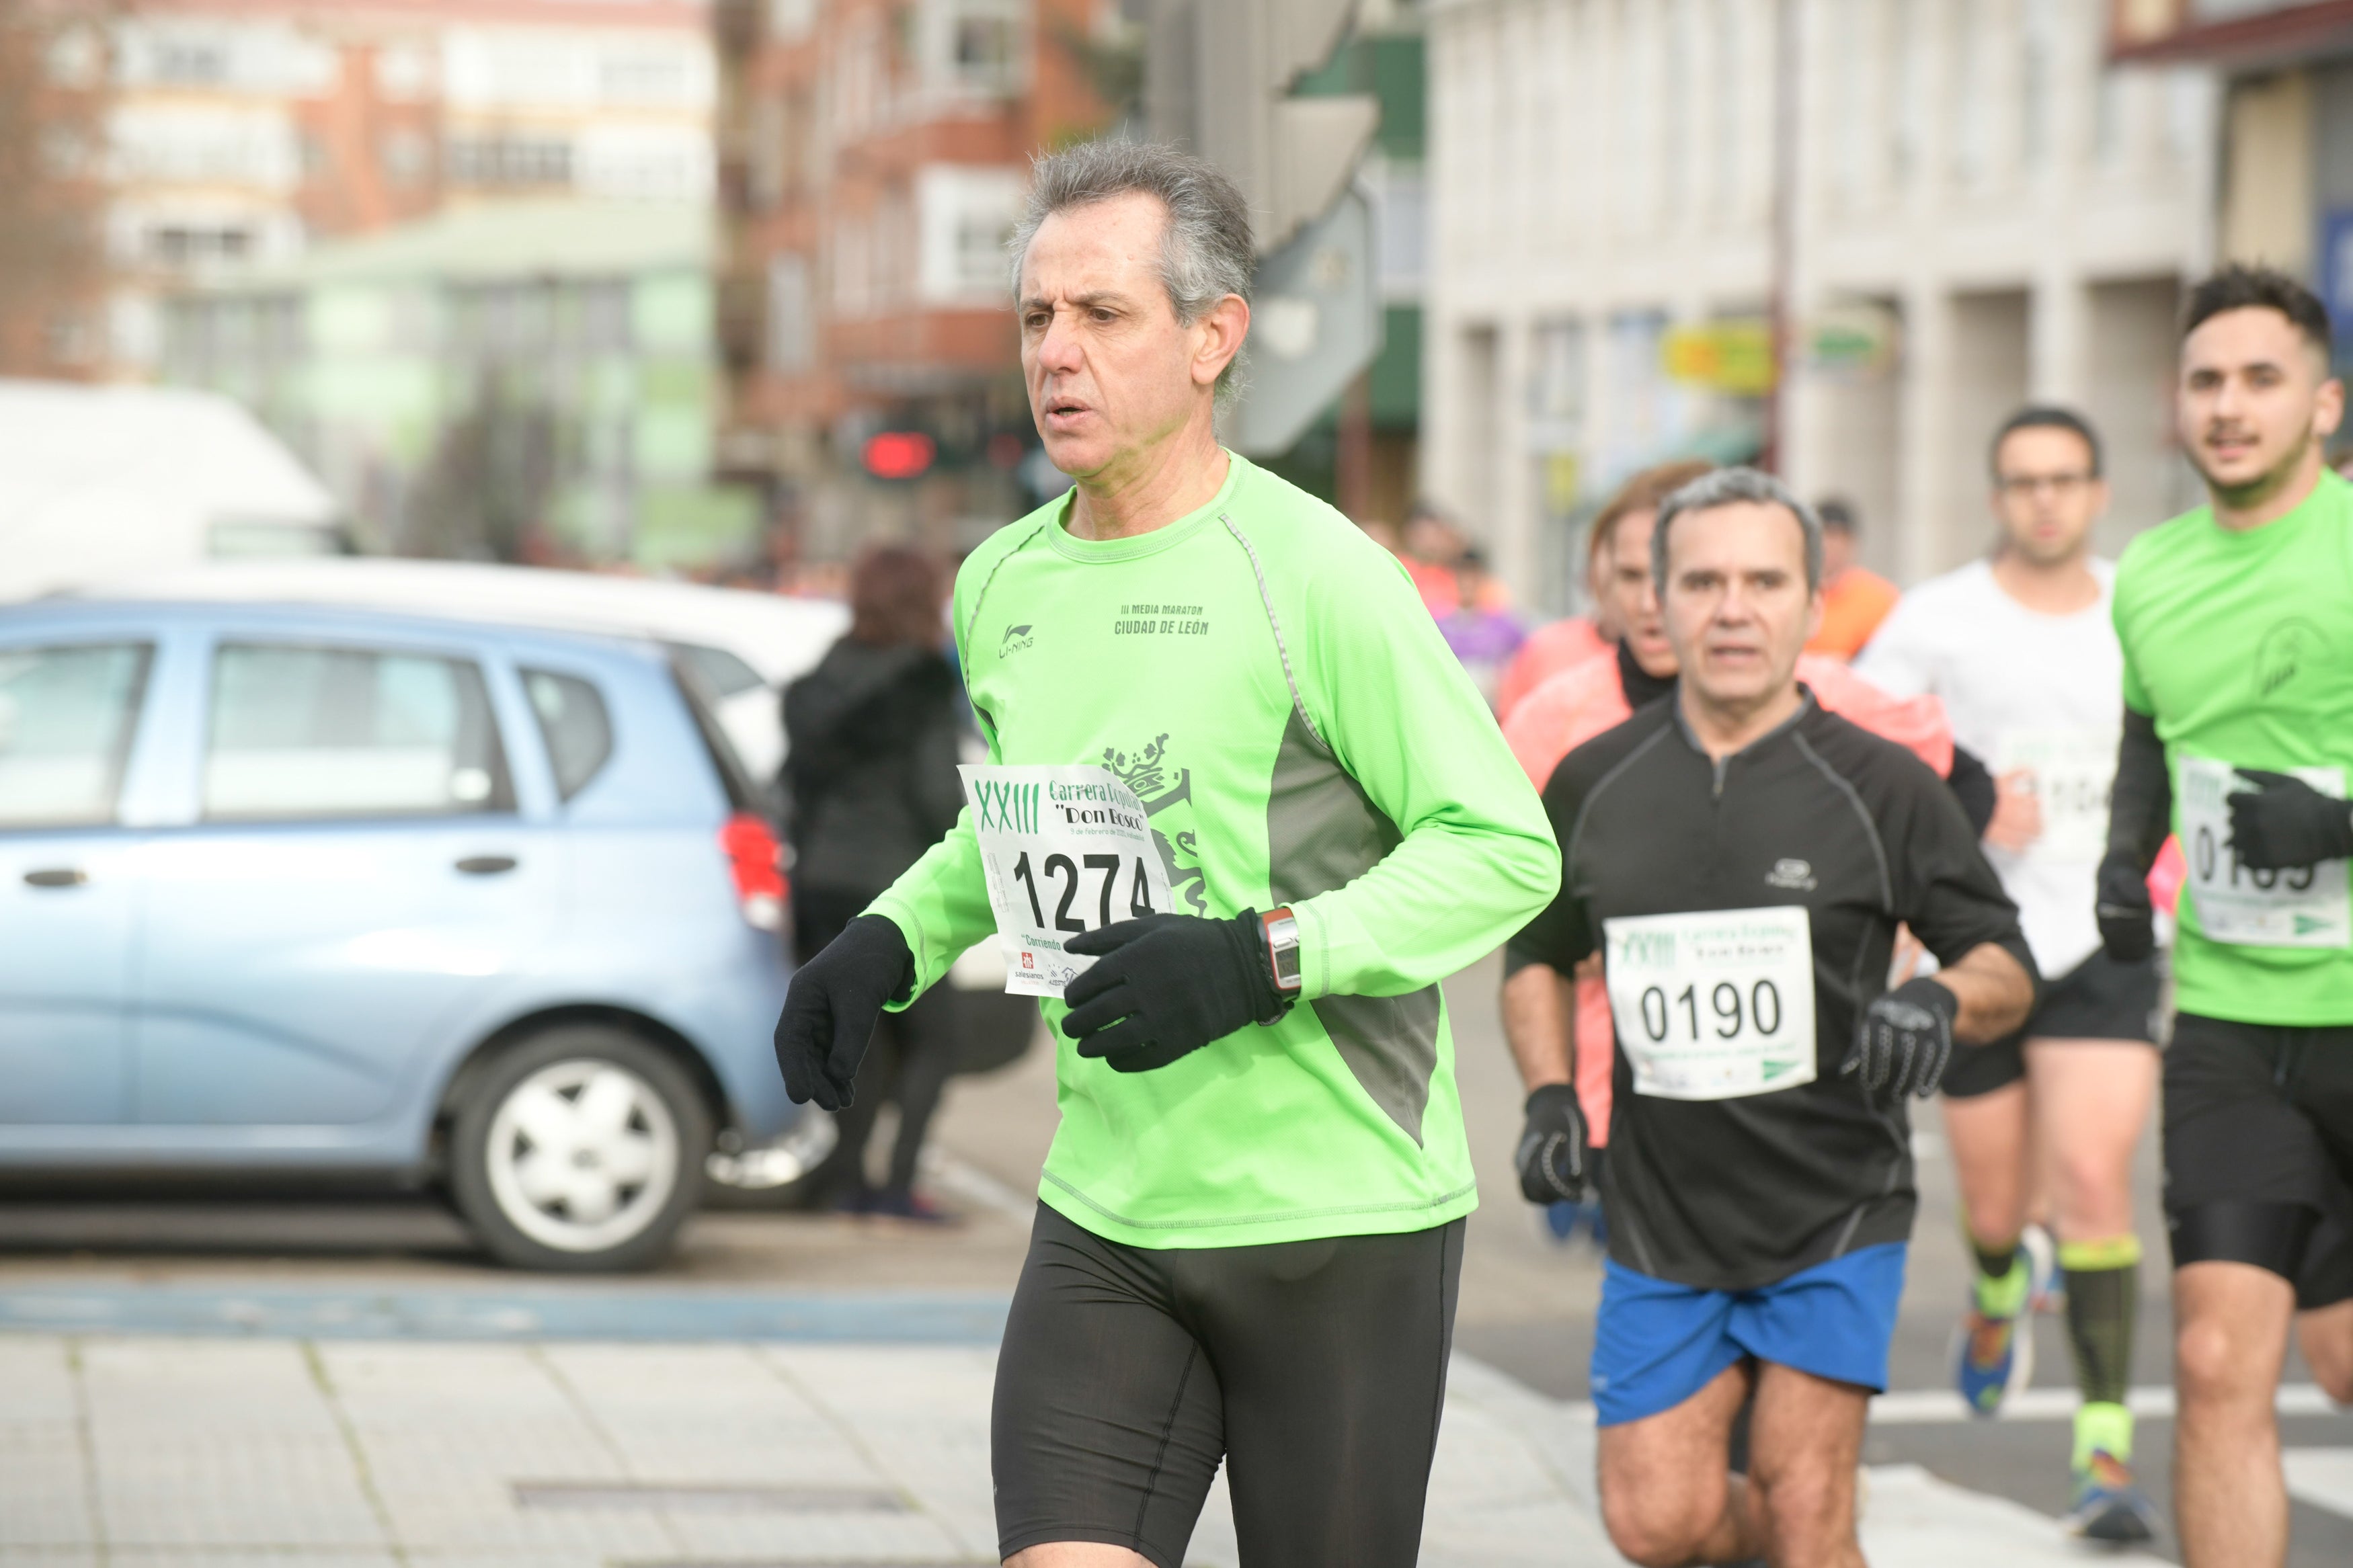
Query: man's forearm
{"points": [[1540, 1024], [1994, 990]]}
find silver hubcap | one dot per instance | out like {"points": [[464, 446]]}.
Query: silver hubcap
{"points": [[582, 1155]]}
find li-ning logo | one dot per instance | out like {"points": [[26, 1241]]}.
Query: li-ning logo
{"points": [[1008, 807], [1794, 874], [1015, 639]]}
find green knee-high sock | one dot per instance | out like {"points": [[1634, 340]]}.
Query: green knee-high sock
{"points": [[2002, 1280], [2102, 1299]]}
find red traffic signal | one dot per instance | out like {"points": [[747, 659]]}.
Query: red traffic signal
{"points": [[900, 455]]}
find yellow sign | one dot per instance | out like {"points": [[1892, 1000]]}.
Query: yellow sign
{"points": [[1733, 356]]}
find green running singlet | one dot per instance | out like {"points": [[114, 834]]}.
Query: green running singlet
{"points": [[2239, 645], [1266, 680]]}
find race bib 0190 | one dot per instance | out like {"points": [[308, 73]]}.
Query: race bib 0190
{"points": [[1716, 1004], [1065, 850], [2307, 907], [2074, 771]]}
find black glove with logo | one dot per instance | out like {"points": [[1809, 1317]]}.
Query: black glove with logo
{"points": [[2127, 919], [831, 1011], [1905, 1040], [1166, 986], [1551, 1155], [2284, 824]]}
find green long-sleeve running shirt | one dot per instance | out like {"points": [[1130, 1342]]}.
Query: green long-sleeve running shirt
{"points": [[1266, 680]]}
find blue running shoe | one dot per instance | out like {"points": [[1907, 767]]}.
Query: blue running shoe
{"points": [[1993, 1358], [2107, 1505]]}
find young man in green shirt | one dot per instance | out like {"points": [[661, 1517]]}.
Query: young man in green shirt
{"points": [[1250, 1232], [2237, 625]]}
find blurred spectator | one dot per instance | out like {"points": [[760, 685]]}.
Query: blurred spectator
{"points": [[871, 784], [1483, 636], [1855, 599], [1432, 546], [1564, 644]]}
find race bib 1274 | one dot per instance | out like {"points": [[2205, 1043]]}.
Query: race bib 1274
{"points": [[1713, 1005], [1065, 850]]}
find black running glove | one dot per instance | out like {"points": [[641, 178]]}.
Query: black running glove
{"points": [[1905, 1040], [1551, 1155], [2127, 919], [1166, 986], [831, 1011], [2285, 823]]}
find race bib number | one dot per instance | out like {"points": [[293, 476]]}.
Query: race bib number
{"points": [[1713, 1005], [1065, 850], [2307, 907], [2074, 773]]}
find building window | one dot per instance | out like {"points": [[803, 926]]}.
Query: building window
{"points": [[178, 245], [792, 327], [509, 161], [406, 155]]}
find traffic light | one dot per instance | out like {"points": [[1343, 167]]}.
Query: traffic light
{"points": [[1218, 75]]}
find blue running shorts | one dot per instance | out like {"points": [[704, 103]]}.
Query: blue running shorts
{"points": [[1657, 1343]]}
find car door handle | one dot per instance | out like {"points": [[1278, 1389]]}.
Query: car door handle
{"points": [[488, 864], [56, 876]]}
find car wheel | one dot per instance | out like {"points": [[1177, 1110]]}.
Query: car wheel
{"points": [[580, 1150]]}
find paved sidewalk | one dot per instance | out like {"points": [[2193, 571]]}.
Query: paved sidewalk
{"points": [[217, 1452]]}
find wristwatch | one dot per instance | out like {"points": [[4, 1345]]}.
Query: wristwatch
{"points": [[1282, 951]]}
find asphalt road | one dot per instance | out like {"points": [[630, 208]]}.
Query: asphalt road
{"points": [[1526, 1306]]}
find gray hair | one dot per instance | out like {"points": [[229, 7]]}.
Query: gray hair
{"points": [[1206, 253], [1726, 486]]}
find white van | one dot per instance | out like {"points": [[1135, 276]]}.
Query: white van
{"points": [[99, 481], [746, 647]]}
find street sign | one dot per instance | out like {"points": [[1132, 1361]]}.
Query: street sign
{"points": [[1315, 322], [1735, 356]]}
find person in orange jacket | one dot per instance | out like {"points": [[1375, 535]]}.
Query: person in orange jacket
{"points": [[1855, 599]]}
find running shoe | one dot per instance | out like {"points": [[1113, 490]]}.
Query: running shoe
{"points": [[1992, 1359], [2107, 1505]]}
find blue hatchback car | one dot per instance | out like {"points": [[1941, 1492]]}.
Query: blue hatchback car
{"points": [[287, 890]]}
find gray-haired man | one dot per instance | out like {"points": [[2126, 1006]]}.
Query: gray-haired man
{"points": [[1250, 1232], [1741, 858]]}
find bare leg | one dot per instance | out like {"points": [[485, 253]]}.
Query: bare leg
{"points": [[2327, 1335], [2092, 1099], [1076, 1554], [2230, 1342], [1805, 1441], [1667, 1497], [1987, 1133]]}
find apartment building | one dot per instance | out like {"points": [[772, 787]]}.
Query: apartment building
{"points": [[873, 154], [239, 132], [1984, 210]]}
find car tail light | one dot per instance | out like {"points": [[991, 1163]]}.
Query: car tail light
{"points": [[757, 861]]}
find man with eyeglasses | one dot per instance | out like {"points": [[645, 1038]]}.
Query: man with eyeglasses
{"points": [[2022, 650]]}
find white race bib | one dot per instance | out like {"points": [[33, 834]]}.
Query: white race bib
{"points": [[1065, 849], [1713, 1005], [2304, 907], [2075, 771]]}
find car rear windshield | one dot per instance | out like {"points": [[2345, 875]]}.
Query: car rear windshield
{"points": [[742, 795], [66, 715], [575, 723], [722, 673]]}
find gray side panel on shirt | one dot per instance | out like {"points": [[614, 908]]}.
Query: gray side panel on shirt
{"points": [[1323, 832]]}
